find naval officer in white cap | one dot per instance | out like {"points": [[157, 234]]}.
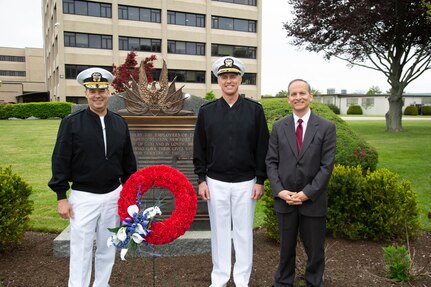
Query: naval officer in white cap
{"points": [[92, 157], [230, 144]]}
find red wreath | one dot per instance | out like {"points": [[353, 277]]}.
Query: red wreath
{"points": [[162, 176]]}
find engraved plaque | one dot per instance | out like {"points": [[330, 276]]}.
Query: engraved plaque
{"points": [[167, 140]]}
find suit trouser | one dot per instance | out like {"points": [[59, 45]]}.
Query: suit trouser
{"points": [[231, 211], [312, 231], [92, 213]]}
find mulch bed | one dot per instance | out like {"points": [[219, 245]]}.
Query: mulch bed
{"points": [[349, 263]]}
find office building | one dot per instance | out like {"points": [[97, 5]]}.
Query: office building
{"points": [[188, 34], [22, 75]]}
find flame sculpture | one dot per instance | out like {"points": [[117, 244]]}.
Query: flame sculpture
{"points": [[157, 98]]}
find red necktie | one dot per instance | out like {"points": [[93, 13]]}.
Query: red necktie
{"points": [[299, 135]]}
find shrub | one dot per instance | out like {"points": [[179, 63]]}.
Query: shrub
{"points": [[345, 190], [426, 110], [210, 96], [398, 263], [362, 205], [354, 110], [411, 111], [269, 218], [352, 150], [334, 108], [374, 205], [275, 109], [15, 208], [41, 110]]}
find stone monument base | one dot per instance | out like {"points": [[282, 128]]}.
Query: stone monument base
{"points": [[167, 140], [191, 243]]}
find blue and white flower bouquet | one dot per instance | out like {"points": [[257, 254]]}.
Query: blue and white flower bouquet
{"points": [[133, 229]]}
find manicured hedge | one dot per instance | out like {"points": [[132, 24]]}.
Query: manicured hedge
{"points": [[41, 110], [334, 108], [411, 111], [374, 205], [426, 110], [354, 110]]}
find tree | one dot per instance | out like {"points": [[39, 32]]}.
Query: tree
{"points": [[374, 90], [392, 37], [315, 92], [129, 69], [282, 94], [210, 96], [427, 5]]}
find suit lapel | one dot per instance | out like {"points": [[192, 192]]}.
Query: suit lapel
{"points": [[309, 133], [289, 133]]}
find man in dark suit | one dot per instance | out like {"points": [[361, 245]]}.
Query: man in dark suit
{"points": [[300, 161]]}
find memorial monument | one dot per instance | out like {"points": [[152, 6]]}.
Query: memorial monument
{"points": [[161, 121], [162, 131]]}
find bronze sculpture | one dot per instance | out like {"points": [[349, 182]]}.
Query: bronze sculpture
{"points": [[155, 98]]}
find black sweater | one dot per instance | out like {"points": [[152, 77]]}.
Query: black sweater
{"points": [[230, 143]]}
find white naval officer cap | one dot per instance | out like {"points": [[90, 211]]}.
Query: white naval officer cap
{"points": [[95, 78], [228, 64]]}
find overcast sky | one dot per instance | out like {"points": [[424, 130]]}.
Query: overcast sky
{"points": [[21, 26]]}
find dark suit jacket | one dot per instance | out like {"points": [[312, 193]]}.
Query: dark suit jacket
{"points": [[309, 171]]}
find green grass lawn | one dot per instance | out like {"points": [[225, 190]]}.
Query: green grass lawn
{"points": [[27, 146], [406, 153]]}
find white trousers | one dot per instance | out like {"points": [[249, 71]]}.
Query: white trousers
{"points": [[231, 212], [93, 213]]}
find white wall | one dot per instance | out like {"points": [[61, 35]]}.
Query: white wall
{"points": [[372, 105]]}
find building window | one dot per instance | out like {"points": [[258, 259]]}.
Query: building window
{"points": [[247, 79], [241, 25], [72, 71], [189, 48], [76, 100], [87, 8], [184, 76], [242, 2], [7, 58], [367, 102], [236, 51], [138, 14], [8, 73], [186, 19], [328, 100], [139, 44], [351, 101], [82, 40]]}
